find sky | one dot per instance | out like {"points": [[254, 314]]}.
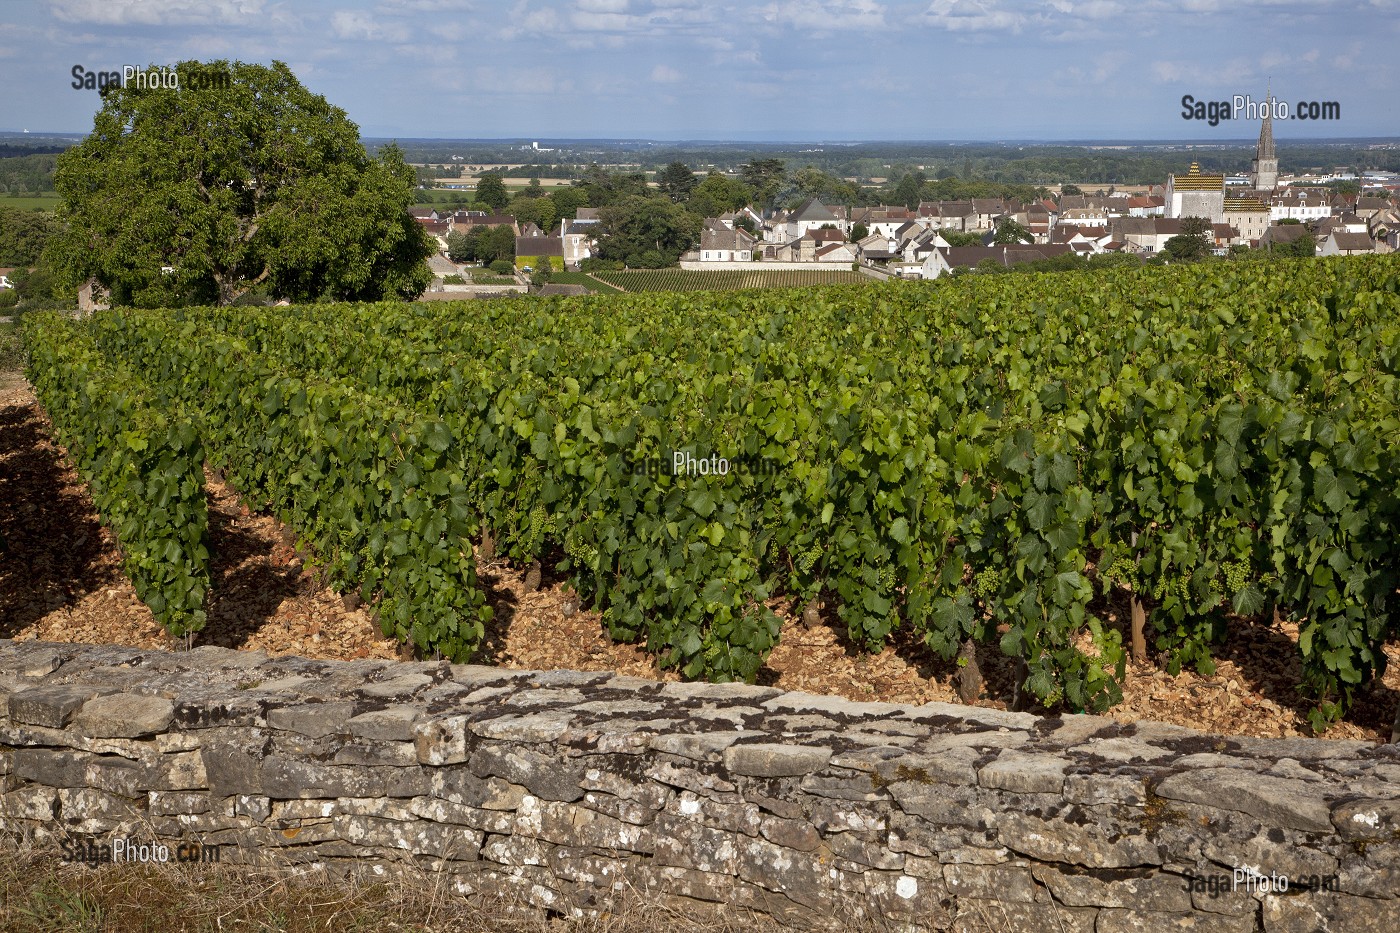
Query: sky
{"points": [[792, 70]]}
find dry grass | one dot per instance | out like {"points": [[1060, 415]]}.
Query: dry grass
{"points": [[39, 893]]}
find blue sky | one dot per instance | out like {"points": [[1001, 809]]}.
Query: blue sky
{"points": [[788, 70]]}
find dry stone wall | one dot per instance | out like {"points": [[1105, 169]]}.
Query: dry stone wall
{"points": [[560, 786]]}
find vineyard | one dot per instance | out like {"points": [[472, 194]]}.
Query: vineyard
{"points": [[978, 461], [584, 279], [693, 280]]}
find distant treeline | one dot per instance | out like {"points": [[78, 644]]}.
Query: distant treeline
{"points": [[1003, 163], [27, 174], [8, 150]]}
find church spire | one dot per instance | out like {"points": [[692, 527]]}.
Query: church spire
{"points": [[1265, 167], [1266, 132]]}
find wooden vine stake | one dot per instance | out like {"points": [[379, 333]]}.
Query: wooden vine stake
{"points": [[1139, 617]]}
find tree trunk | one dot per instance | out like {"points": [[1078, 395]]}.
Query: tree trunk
{"points": [[969, 673]]}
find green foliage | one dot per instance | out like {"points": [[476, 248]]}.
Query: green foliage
{"points": [[1010, 231], [718, 194], [502, 267], [143, 461], [960, 238], [950, 457], [23, 235], [491, 191], [377, 491], [676, 181], [646, 232], [460, 247], [198, 195]]}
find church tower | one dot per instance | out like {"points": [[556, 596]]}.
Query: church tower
{"points": [[1264, 171]]}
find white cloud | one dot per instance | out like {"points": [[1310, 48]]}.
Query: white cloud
{"points": [[427, 6], [973, 16], [665, 74], [356, 24], [1172, 71], [826, 15], [171, 12]]}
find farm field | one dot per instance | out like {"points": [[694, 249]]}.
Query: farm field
{"points": [[690, 280], [46, 202], [989, 468]]}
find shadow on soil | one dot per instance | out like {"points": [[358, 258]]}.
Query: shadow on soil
{"points": [[50, 541]]}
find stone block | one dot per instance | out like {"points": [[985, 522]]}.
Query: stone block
{"points": [[1148, 921], [802, 877], [30, 803], [790, 834], [401, 754], [702, 746], [545, 726], [1098, 844], [397, 687], [982, 915], [1025, 774], [629, 811], [254, 806], [50, 706], [287, 779], [1276, 801], [441, 741], [774, 760], [544, 775], [173, 803], [682, 843], [955, 766], [51, 768], [569, 824], [869, 852], [688, 778], [392, 724], [1005, 883], [1128, 889], [233, 765], [124, 716], [459, 785], [120, 776], [313, 719], [177, 771], [1367, 820]]}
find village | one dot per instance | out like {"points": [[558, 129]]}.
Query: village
{"points": [[1230, 214]]}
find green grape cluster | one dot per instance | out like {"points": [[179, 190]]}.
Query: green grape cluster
{"points": [[986, 582], [1122, 570], [1237, 575], [887, 578], [1178, 586], [584, 555], [808, 558]]}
